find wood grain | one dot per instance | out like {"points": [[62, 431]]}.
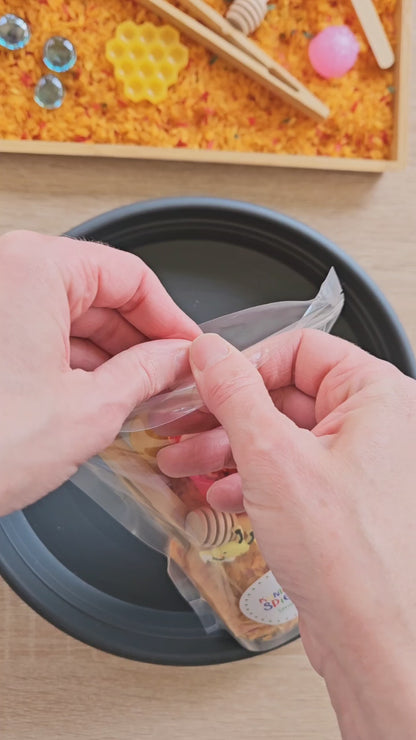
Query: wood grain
{"points": [[52, 687]]}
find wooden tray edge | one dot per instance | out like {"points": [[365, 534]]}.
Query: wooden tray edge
{"points": [[397, 162], [131, 151]]}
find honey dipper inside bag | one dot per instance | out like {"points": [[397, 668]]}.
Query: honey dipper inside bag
{"points": [[212, 557]]}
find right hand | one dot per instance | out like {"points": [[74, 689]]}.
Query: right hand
{"points": [[329, 485]]}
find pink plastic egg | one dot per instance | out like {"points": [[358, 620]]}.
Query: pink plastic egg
{"points": [[333, 52]]}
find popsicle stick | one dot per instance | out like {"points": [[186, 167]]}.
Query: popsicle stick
{"points": [[301, 99], [375, 33]]}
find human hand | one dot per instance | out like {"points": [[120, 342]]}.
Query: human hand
{"points": [[74, 320], [327, 479]]}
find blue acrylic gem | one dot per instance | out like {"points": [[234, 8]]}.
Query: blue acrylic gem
{"points": [[14, 32], [49, 92], [59, 54]]}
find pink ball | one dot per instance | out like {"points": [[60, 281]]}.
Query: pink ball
{"points": [[333, 51]]}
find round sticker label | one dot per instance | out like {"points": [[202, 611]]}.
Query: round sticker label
{"points": [[266, 602]]}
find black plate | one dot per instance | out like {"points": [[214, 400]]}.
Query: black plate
{"points": [[67, 558]]}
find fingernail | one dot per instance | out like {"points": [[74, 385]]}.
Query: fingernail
{"points": [[210, 498], [207, 350]]}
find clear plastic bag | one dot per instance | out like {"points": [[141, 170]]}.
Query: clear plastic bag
{"points": [[244, 329], [213, 557]]}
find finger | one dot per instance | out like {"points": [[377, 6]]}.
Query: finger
{"points": [[97, 275], [296, 405], [293, 403], [100, 276], [317, 364], [194, 423], [210, 451], [200, 455], [98, 402], [227, 494], [107, 329], [234, 392], [85, 355]]}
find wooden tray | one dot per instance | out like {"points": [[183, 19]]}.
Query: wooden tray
{"points": [[129, 151]]}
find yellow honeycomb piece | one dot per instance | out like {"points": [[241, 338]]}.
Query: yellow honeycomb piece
{"points": [[147, 59]]}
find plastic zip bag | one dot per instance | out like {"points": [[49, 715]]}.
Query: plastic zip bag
{"points": [[243, 329], [216, 571], [213, 557]]}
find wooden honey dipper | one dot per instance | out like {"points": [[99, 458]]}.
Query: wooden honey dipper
{"points": [[209, 528], [247, 15]]}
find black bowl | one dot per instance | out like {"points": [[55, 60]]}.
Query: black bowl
{"points": [[64, 555]]}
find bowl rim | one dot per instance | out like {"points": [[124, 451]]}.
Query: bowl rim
{"points": [[247, 209], [37, 592]]}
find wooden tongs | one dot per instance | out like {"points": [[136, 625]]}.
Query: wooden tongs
{"points": [[219, 36]]}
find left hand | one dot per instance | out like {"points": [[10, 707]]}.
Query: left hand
{"points": [[75, 318]]}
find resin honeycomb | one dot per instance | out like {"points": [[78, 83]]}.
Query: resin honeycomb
{"points": [[147, 59]]}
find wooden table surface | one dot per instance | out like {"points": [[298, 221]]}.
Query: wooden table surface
{"points": [[52, 686]]}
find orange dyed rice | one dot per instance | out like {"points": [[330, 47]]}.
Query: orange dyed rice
{"points": [[212, 106]]}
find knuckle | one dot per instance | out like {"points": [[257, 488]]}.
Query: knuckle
{"points": [[12, 242], [223, 390], [17, 235], [262, 450], [216, 447], [144, 287], [148, 369], [228, 461], [27, 252], [348, 379], [105, 332]]}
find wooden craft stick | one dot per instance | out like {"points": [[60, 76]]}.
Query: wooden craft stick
{"points": [[298, 96], [375, 33]]}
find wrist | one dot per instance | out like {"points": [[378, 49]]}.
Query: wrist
{"points": [[29, 454], [372, 685]]}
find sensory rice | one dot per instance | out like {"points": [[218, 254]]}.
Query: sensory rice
{"points": [[211, 106]]}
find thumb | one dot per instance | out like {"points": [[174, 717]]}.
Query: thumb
{"points": [[234, 392]]}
